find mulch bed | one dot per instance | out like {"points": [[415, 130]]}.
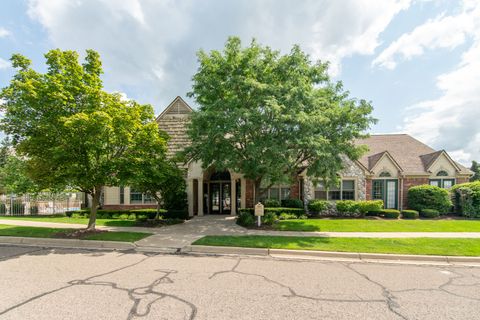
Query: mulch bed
{"points": [[78, 234]]}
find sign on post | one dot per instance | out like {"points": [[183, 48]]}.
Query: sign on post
{"points": [[259, 212]]}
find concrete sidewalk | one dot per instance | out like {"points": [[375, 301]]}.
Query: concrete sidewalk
{"points": [[180, 235]]}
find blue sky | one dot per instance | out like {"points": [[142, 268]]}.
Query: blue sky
{"points": [[417, 61]]}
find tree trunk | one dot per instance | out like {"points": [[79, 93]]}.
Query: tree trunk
{"points": [[97, 193], [158, 199]]}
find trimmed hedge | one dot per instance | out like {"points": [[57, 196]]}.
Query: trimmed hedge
{"points": [[318, 205], [410, 214], [296, 211], [292, 203], [245, 219], [429, 197], [361, 207], [271, 203], [139, 214], [429, 213], [466, 197], [390, 213]]}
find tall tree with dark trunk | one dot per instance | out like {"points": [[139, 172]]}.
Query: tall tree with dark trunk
{"points": [[69, 130], [270, 116], [476, 170]]}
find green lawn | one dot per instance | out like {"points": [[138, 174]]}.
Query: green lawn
{"points": [[424, 246], [39, 232], [367, 225], [100, 222]]}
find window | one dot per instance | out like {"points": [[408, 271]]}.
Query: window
{"points": [[346, 191], [377, 190], [135, 196], [320, 192], [442, 183], [384, 174], [277, 193], [122, 195], [442, 173]]}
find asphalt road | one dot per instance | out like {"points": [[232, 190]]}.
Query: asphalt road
{"points": [[69, 284]]}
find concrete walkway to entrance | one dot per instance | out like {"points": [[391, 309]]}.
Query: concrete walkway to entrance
{"points": [[180, 235]]}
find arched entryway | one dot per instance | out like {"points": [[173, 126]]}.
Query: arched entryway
{"points": [[219, 193]]}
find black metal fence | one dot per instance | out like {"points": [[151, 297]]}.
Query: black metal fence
{"points": [[39, 204]]}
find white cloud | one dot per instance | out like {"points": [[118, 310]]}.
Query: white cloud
{"points": [[452, 121], [4, 64], [148, 47], [4, 32], [442, 32]]}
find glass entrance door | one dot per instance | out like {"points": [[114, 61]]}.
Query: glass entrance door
{"points": [[386, 190], [220, 198]]}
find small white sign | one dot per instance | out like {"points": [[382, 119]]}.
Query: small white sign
{"points": [[259, 210]]}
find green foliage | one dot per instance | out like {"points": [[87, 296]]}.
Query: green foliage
{"points": [[14, 177], [287, 216], [245, 219], [390, 213], [366, 206], [269, 218], [374, 213], [271, 203], [266, 114], [476, 169], [429, 213], [295, 211], [318, 205], [70, 130], [347, 206], [467, 199], [149, 213], [429, 197], [292, 203], [410, 214]]}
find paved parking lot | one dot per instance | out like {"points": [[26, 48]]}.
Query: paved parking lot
{"points": [[73, 284]]}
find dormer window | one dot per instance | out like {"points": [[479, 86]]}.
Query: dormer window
{"points": [[441, 182], [442, 173]]}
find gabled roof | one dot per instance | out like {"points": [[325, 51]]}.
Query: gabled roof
{"points": [[173, 120], [374, 159], [177, 107], [411, 155]]}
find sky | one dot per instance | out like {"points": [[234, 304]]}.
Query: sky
{"points": [[417, 61]]}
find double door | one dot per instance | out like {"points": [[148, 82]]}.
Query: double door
{"points": [[386, 190], [220, 198]]}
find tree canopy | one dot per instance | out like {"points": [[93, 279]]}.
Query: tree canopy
{"points": [[476, 169], [270, 116], [72, 132]]}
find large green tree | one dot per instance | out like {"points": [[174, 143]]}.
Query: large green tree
{"points": [[14, 177], [476, 169], [270, 116], [71, 132]]}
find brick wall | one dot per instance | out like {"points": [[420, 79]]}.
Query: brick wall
{"points": [[368, 192], [407, 184], [295, 189], [461, 180], [249, 187]]}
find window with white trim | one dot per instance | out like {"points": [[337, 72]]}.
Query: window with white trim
{"points": [[345, 191], [276, 192], [137, 197], [441, 182]]}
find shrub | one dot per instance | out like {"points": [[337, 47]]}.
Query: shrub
{"points": [[246, 219], [296, 211], [429, 197], [269, 218], [33, 210], [131, 216], [303, 217], [374, 213], [409, 214], [123, 216], [347, 206], [466, 197], [318, 205], [390, 213], [429, 213], [77, 215], [287, 216], [366, 206], [271, 203], [292, 203], [149, 213], [3, 208]]}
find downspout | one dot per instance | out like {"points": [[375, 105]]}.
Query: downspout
{"points": [[401, 194]]}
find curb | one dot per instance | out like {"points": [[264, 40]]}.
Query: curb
{"points": [[328, 254], [67, 243]]}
